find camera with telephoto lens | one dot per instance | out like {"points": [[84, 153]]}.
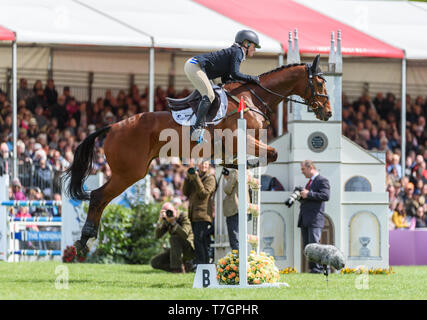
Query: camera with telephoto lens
{"points": [[225, 171], [296, 195], [169, 213]]}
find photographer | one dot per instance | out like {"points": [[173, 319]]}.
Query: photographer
{"points": [[181, 240], [311, 218], [198, 187]]}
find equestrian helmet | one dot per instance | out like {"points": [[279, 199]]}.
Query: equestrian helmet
{"points": [[249, 35]]}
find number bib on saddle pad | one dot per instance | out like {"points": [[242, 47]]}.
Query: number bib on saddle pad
{"points": [[184, 110]]}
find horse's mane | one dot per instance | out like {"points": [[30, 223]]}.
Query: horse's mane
{"points": [[281, 68], [271, 71]]}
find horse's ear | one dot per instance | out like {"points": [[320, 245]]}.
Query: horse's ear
{"points": [[315, 66]]}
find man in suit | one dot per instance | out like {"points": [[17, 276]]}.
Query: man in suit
{"points": [[311, 218]]}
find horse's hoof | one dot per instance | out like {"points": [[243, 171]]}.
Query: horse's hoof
{"points": [[81, 249]]}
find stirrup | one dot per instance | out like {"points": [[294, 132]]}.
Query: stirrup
{"points": [[200, 131]]}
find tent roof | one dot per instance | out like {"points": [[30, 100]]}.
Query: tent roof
{"points": [[172, 23], [6, 34], [277, 17], [179, 23], [64, 22], [400, 23]]}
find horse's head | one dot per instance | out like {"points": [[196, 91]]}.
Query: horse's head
{"points": [[315, 93]]}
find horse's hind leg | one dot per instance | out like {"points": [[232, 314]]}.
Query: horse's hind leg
{"points": [[99, 199]]}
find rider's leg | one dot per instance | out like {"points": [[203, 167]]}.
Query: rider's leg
{"points": [[201, 82], [202, 111]]}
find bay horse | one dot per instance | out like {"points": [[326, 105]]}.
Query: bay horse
{"points": [[130, 145]]}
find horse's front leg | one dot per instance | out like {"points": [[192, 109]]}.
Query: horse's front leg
{"points": [[264, 153]]}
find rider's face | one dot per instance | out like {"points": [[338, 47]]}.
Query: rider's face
{"points": [[251, 50]]}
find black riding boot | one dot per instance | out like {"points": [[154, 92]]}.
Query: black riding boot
{"points": [[202, 111]]}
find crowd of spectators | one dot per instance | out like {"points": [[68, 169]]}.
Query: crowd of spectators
{"points": [[51, 124], [376, 125]]}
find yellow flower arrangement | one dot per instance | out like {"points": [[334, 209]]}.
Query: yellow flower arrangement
{"points": [[371, 271], [288, 270], [261, 269]]}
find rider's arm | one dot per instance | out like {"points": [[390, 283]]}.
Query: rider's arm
{"points": [[236, 60]]}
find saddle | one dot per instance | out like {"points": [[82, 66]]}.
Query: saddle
{"points": [[184, 110]]}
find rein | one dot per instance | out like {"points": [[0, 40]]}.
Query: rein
{"points": [[310, 84], [308, 102]]}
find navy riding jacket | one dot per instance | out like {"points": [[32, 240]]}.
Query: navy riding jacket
{"points": [[224, 63]]}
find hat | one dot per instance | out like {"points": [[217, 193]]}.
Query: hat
{"points": [[16, 182], [37, 146], [91, 128], [410, 185], [109, 115]]}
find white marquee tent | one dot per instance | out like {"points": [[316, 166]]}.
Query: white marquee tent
{"points": [[122, 23], [402, 24]]}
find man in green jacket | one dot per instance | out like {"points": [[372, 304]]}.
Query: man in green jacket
{"points": [[198, 187], [230, 207], [181, 240]]}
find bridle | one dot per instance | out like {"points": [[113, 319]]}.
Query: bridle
{"points": [[311, 101]]}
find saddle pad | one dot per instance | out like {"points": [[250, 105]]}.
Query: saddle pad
{"points": [[187, 117]]}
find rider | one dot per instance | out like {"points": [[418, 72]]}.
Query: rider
{"points": [[224, 63]]}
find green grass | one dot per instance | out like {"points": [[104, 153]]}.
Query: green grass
{"points": [[36, 280]]}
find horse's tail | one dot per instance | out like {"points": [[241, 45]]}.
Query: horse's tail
{"points": [[82, 166]]}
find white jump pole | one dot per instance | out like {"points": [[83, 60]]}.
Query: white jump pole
{"points": [[243, 201]]}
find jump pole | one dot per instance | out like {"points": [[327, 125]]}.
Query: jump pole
{"points": [[243, 202]]}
